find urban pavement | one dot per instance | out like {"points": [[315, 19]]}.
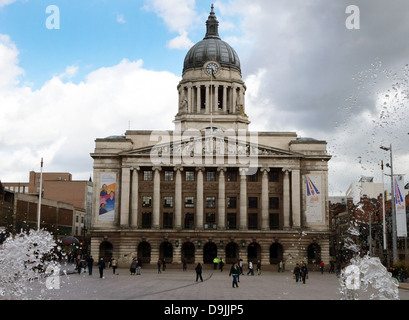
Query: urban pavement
{"points": [[174, 284]]}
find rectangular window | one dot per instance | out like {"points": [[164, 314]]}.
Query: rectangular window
{"points": [[168, 175], [146, 220], [190, 176], [274, 203], [189, 220], [231, 221], [189, 202], [273, 176], [211, 176], [253, 221], [231, 176], [253, 177], [147, 175], [253, 202], [274, 221], [168, 202], [168, 220], [210, 202], [146, 201], [210, 220], [231, 202]]}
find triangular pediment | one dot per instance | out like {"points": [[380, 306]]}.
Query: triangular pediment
{"points": [[207, 146]]}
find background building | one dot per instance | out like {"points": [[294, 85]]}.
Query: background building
{"points": [[211, 188]]}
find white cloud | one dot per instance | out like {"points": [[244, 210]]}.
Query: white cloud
{"points": [[120, 18], [181, 42], [6, 2], [9, 69], [61, 120]]}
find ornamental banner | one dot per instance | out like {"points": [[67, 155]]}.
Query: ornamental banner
{"points": [[398, 187], [313, 211], [107, 197]]}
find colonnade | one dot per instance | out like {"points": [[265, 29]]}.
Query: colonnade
{"points": [[231, 96], [291, 198]]}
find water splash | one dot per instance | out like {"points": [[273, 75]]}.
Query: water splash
{"points": [[24, 258]]}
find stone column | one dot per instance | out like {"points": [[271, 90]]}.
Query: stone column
{"points": [[296, 198], [178, 198], [216, 98], [199, 199], [221, 224], [234, 95], [286, 199], [134, 198], [156, 197], [125, 189], [207, 103], [189, 98], [224, 98], [243, 199], [264, 199], [199, 99]]}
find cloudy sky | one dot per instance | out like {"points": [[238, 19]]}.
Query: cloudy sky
{"points": [[73, 71]]}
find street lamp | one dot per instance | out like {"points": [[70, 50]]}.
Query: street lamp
{"points": [[394, 244], [39, 196]]}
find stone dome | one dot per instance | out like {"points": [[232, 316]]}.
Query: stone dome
{"points": [[211, 48]]}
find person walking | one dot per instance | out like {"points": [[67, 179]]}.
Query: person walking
{"points": [[184, 265], [280, 266], [241, 266], [250, 265], [90, 262], [215, 263], [297, 271], [258, 267], [114, 265], [199, 272], [133, 266], [322, 267], [235, 272], [164, 264], [138, 267], [304, 272], [159, 265], [221, 264], [101, 267]]}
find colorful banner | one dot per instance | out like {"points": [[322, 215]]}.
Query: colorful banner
{"points": [[398, 188], [107, 197], [313, 211]]}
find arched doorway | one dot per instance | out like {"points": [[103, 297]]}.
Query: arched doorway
{"points": [[314, 253], [188, 252], [254, 252], [105, 250], [144, 252], [166, 251], [276, 253], [209, 252], [232, 253]]}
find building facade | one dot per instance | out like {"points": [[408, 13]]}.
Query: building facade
{"points": [[211, 187]]}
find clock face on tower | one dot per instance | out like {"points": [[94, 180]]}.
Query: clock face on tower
{"points": [[212, 66]]}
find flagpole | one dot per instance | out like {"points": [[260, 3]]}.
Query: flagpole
{"points": [[39, 196]]}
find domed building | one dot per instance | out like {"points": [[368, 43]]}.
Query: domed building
{"points": [[211, 187]]}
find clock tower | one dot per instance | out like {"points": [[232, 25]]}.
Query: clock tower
{"points": [[211, 92]]}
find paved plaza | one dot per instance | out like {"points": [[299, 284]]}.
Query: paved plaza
{"points": [[176, 284]]}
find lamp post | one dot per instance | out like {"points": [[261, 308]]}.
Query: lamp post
{"points": [[394, 243], [383, 213]]}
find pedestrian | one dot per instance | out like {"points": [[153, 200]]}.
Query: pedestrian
{"points": [[235, 272], [250, 266], [133, 266], [184, 265], [79, 265], [221, 264], [280, 266], [164, 264], [322, 267], [304, 272], [215, 263], [332, 267], [199, 272], [258, 267], [338, 272], [159, 265], [138, 267], [101, 267], [241, 266], [114, 265], [90, 262], [297, 271]]}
